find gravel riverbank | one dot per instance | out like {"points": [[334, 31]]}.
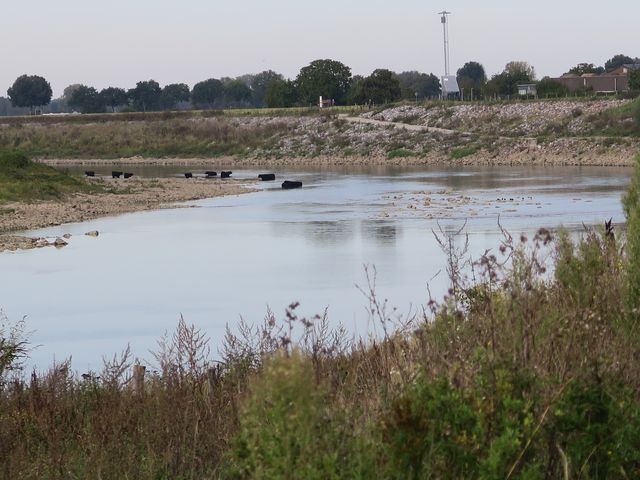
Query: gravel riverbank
{"points": [[125, 196]]}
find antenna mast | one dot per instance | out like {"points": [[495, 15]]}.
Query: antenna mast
{"points": [[445, 30]]}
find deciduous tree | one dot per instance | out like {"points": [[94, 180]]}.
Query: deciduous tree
{"points": [[205, 94], [617, 61], [281, 94], [547, 87], [634, 80], [114, 97], [425, 85], [260, 84], [582, 68], [146, 95], [382, 86], [173, 94], [86, 99], [520, 70], [471, 75], [327, 78], [237, 93], [30, 91], [506, 83]]}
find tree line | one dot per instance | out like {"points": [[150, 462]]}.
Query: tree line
{"points": [[328, 78], [472, 78]]}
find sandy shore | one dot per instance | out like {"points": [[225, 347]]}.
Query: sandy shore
{"points": [[131, 195]]}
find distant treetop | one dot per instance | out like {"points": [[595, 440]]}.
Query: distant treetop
{"points": [[327, 78], [30, 91], [617, 61], [583, 68]]}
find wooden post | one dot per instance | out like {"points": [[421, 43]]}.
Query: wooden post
{"points": [[137, 384]]}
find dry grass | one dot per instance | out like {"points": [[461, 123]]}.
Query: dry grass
{"points": [[155, 138]]}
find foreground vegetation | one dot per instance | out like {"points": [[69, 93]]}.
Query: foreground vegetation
{"points": [[24, 180], [519, 373]]}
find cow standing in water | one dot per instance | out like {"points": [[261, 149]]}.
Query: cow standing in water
{"points": [[290, 185]]}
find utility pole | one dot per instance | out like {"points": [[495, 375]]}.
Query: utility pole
{"points": [[449, 82], [445, 31]]}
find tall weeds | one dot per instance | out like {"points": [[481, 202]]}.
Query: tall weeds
{"points": [[169, 136]]}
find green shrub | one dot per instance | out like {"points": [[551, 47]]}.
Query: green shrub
{"points": [[400, 153], [436, 430], [631, 204], [596, 426], [462, 152], [432, 432], [24, 180], [636, 110], [290, 429], [634, 80], [11, 160]]}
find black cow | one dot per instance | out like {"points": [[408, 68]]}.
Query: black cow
{"points": [[128, 175], [289, 185], [116, 174], [224, 174], [210, 174], [266, 177], [90, 173], [188, 175]]}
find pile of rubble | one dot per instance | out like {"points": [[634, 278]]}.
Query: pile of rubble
{"points": [[521, 118]]}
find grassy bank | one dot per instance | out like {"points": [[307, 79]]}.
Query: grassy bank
{"points": [[159, 137], [500, 133], [254, 137], [622, 121], [22, 180], [517, 373]]}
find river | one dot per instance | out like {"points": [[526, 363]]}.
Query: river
{"points": [[234, 256]]}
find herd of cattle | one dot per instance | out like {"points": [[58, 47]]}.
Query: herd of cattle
{"points": [[265, 177]]}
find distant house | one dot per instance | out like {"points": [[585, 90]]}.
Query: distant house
{"points": [[527, 90], [610, 82], [626, 68]]}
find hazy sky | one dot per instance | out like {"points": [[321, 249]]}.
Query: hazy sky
{"points": [[119, 42]]}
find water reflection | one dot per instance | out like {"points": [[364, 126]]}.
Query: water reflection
{"points": [[335, 233], [383, 232]]}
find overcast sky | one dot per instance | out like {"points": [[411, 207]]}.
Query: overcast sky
{"points": [[119, 42]]}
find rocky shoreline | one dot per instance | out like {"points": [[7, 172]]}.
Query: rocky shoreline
{"points": [[574, 151], [120, 196]]}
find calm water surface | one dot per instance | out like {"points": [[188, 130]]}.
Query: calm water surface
{"points": [[233, 256]]}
